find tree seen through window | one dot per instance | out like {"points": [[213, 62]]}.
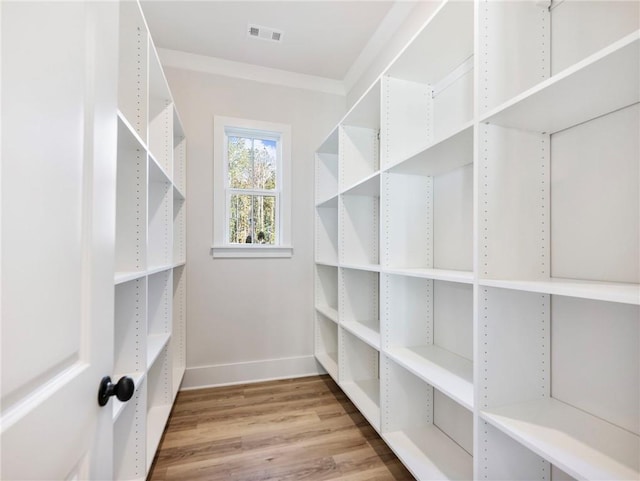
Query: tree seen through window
{"points": [[252, 177]]}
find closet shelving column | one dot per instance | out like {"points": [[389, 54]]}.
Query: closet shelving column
{"points": [[160, 254], [130, 323], [130, 279], [326, 255], [359, 184], [427, 248], [178, 334], [150, 249], [558, 240], [359, 231]]}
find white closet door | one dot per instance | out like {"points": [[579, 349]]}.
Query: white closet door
{"points": [[58, 99]]}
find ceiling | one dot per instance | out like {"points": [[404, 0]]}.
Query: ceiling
{"points": [[320, 38]]}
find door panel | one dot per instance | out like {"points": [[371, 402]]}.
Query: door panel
{"points": [[58, 98], [42, 191]]}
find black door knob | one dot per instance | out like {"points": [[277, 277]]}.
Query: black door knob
{"points": [[123, 389]]}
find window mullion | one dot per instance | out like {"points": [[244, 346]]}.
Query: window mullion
{"points": [[254, 192]]}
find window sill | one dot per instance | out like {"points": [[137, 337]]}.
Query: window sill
{"points": [[251, 250]]}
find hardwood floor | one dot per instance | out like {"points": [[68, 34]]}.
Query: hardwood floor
{"points": [[298, 429]]}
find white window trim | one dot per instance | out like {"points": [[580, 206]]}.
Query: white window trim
{"points": [[221, 247]]}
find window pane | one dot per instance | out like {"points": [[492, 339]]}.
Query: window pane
{"points": [[252, 219], [264, 211], [264, 163], [240, 219], [239, 152]]}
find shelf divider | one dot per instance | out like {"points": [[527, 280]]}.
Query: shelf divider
{"points": [[444, 370], [439, 457], [367, 331], [601, 291], [155, 344], [579, 90], [583, 445]]}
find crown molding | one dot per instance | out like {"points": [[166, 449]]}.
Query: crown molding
{"points": [[256, 73]]}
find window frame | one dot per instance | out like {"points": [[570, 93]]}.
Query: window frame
{"points": [[224, 127]]}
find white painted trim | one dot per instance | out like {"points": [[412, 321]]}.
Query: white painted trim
{"points": [[251, 371], [251, 250], [256, 73]]}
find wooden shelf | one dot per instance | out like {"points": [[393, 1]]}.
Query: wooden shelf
{"points": [[451, 25], [449, 373], [367, 331], [330, 144], [430, 454], [328, 263], [329, 362], [601, 291], [442, 155], [177, 193], [178, 130], [580, 444], [361, 267], [155, 344], [128, 135], [156, 269], [358, 218], [331, 202], [122, 277], [328, 312], [157, 418], [131, 198], [359, 158], [157, 172], [326, 292], [463, 277], [158, 85], [178, 376], [366, 111], [575, 95], [178, 229], [365, 394], [369, 186]]}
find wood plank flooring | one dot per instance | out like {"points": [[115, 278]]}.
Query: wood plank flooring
{"points": [[297, 429]]}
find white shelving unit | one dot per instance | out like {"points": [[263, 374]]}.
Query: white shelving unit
{"points": [[326, 338], [150, 279], [327, 291], [359, 305], [359, 375], [428, 431], [478, 244], [178, 339], [326, 241], [429, 331]]}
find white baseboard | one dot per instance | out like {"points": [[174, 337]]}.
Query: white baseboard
{"points": [[248, 372]]}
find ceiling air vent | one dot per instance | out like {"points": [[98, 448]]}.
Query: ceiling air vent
{"points": [[265, 33]]}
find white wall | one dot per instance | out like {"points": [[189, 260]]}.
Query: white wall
{"points": [[249, 319]]}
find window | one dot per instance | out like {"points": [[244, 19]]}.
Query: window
{"points": [[251, 189]]}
